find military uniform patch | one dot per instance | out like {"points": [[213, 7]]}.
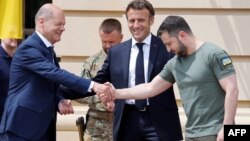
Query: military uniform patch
{"points": [[226, 61]]}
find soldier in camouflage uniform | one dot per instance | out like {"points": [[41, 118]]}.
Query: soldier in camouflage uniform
{"points": [[99, 119]]}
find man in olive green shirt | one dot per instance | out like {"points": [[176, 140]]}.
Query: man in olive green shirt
{"points": [[205, 77]]}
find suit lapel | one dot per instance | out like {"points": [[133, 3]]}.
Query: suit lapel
{"points": [[152, 56], [126, 49], [45, 49]]}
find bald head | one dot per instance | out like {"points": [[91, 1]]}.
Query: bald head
{"points": [[50, 21], [47, 11]]}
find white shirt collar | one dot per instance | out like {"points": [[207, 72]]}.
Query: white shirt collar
{"points": [[147, 40], [45, 41]]}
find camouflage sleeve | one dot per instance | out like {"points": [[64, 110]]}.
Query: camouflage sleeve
{"points": [[86, 73], [89, 69]]}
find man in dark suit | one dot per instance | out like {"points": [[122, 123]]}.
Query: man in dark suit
{"points": [[35, 76], [7, 49], [158, 119]]}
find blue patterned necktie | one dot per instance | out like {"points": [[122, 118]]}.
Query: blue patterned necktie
{"points": [[139, 75]]}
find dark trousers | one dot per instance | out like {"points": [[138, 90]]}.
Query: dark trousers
{"points": [[48, 136], [136, 125]]}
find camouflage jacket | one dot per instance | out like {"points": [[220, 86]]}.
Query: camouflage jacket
{"points": [[89, 69]]}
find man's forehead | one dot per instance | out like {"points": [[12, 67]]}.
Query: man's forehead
{"points": [[165, 36]]}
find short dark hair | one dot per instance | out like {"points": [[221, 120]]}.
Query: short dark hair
{"points": [[139, 5], [109, 25], [173, 25]]}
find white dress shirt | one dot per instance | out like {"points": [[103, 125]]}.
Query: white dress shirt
{"points": [[133, 55]]}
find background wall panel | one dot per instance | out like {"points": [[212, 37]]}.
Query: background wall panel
{"points": [[223, 22]]}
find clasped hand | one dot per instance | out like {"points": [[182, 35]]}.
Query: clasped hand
{"points": [[105, 92]]}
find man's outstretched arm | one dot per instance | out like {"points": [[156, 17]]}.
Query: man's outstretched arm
{"points": [[142, 91]]}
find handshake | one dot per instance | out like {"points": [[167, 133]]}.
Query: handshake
{"points": [[105, 92]]}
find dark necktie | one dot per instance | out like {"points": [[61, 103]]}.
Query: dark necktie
{"points": [[52, 53], [139, 75]]}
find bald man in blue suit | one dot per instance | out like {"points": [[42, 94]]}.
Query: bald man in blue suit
{"points": [[35, 77]]}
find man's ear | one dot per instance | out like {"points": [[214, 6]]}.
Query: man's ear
{"points": [[182, 35], [152, 18]]}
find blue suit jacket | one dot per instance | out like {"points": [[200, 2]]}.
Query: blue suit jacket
{"points": [[163, 108], [34, 80]]}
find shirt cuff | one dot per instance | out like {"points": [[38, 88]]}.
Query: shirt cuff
{"points": [[91, 86]]}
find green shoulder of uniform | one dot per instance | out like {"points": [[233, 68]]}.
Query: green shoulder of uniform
{"points": [[92, 64]]}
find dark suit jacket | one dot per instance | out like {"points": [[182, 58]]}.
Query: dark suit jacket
{"points": [[34, 79], [163, 108]]}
